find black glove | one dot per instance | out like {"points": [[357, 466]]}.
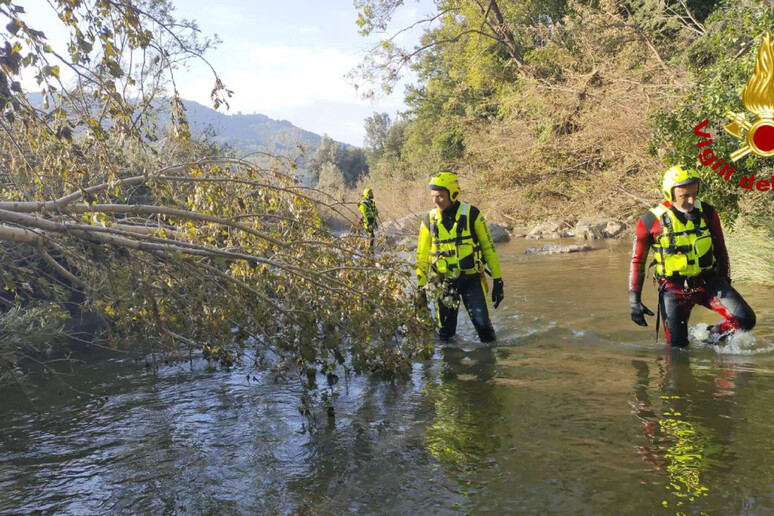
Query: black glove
{"points": [[420, 299], [497, 292], [639, 311]]}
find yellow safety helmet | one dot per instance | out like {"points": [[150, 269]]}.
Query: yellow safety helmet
{"points": [[368, 193], [677, 176], [446, 181]]}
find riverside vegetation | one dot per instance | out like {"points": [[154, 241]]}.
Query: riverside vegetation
{"points": [[566, 109], [174, 245]]}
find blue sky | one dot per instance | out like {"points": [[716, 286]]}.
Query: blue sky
{"points": [[287, 59], [283, 58]]}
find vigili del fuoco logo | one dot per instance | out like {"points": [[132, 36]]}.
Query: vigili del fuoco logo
{"points": [[756, 136]]}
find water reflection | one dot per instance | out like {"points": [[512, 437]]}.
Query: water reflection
{"points": [[685, 422], [478, 363], [468, 409]]}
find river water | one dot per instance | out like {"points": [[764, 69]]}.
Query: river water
{"points": [[577, 410]]}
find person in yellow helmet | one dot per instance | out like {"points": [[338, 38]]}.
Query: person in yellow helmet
{"points": [[691, 262], [453, 247], [368, 214]]}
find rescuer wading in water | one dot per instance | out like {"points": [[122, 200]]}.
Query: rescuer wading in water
{"points": [[691, 263], [453, 247]]}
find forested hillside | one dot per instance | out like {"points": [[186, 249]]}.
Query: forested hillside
{"points": [[317, 159], [553, 108]]}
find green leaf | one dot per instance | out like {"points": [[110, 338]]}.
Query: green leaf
{"points": [[51, 71], [85, 46]]}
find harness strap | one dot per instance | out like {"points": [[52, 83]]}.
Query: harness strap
{"points": [[661, 289], [677, 248], [666, 221], [465, 209], [457, 239], [462, 235]]}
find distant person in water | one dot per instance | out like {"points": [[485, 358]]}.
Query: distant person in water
{"points": [[691, 263], [454, 244], [368, 214]]}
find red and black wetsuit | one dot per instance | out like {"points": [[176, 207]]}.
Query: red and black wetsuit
{"points": [[712, 290]]}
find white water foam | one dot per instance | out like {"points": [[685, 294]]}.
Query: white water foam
{"points": [[740, 343]]}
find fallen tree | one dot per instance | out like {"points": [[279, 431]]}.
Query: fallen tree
{"points": [[176, 244]]}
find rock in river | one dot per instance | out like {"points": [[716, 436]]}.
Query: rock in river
{"points": [[558, 249]]}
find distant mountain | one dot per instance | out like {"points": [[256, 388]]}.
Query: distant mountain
{"points": [[243, 133], [248, 133]]}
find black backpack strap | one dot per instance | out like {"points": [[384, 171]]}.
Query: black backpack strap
{"points": [[666, 222], [461, 223]]}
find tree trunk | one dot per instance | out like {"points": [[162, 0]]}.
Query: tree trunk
{"points": [[504, 32]]}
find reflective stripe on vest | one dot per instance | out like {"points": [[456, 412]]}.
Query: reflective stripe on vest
{"points": [[454, 252], [682, 250]]}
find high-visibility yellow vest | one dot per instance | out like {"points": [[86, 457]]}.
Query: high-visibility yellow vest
{"points": [[682, 250], [369, 212], [454, 252]]}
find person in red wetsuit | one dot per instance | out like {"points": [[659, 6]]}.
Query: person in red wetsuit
{"points": [[691, 262]]}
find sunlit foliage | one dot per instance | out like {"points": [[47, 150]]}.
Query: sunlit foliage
{"points": [[109, 208]]}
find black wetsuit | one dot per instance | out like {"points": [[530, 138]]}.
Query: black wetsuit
{"points": [[470, 289]]}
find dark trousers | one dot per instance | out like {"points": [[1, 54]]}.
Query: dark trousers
{"points": [[370, 232], [471, 291], [715, 293]]}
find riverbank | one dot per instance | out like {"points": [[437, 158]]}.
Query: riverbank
{"points": [[749, 238]]}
